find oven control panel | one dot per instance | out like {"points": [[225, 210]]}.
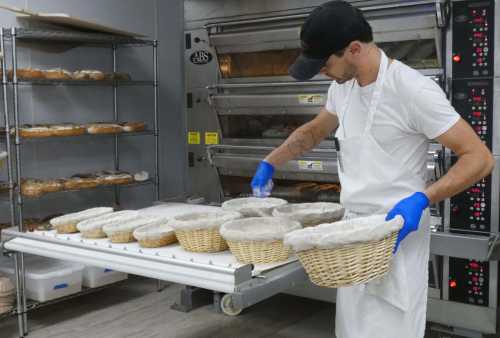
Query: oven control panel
{"points": [[470, 210], [468, 281], [473, 100], [473, 51]]}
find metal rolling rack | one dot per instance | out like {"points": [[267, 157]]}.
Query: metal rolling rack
{"points": [[14, 165]]}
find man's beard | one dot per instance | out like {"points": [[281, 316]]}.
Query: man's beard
{"points": [[348, 75]]}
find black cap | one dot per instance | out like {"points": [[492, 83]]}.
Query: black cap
{"points": [[327, 30]]}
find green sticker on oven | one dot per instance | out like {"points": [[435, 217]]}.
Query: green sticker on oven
{"points": [[312, 99], [311, 165]]}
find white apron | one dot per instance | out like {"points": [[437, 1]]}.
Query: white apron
{"points": [[393, 306]]}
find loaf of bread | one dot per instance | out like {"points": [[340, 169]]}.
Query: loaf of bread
{"points": [[26, 74], [32, 188], [35, 131], [81, 181], [67, 223], [52, 186], [104, 128], [67, 130], [133, 126], [141, 176], [58, 74], [47, 130], [114, 177], [93, 75]]}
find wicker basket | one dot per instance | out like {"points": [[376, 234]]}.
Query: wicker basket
{"points": [[158, 242], [349, 265], [201, 240], [94, 233], [121, 237], [259, 252]]}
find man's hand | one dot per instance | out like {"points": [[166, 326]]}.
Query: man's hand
{"points": [[262, 182], [411, 209]]}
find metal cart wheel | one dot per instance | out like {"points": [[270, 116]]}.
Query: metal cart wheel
{"points": [[227, 306]]}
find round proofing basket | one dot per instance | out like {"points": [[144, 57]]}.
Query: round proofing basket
{"points": [[158, 242], [201, 240], [94, 233], [311, 214], [349, 265], [68, 228], [259, 252], [121, 237]]}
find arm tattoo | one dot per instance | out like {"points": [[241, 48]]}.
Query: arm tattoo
{"points": [[301, 141]]}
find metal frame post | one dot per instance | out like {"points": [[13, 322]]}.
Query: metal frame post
{"points": [[19, 261], [156, 121], [10, 175], [115, 118]]}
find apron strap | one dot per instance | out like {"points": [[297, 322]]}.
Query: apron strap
{"points": [[377, 91]]}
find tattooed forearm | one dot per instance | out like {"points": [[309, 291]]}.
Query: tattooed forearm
{"points": [[304, 138], [301, 141]]}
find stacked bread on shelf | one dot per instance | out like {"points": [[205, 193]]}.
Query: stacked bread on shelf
{"points": [[35, 188], [72, 129], [58, 74]]}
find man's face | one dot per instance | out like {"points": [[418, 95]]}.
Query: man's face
{"points": [[339, 68]]}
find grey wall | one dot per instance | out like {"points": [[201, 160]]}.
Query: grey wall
{"points": [[159, 19]]}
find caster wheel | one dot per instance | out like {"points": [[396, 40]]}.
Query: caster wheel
{"points": [[227, 306]]}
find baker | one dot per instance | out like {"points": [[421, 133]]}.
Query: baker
{"points": [[383, 114]]}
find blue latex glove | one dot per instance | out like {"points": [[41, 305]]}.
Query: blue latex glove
{"points": [[262, 182], [411, 209]]}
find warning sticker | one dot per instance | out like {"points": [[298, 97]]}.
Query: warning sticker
{"points": [[194, 137], [311, 165], [211, 138], [312, 99]]}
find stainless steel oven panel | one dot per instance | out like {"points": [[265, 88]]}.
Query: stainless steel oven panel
{"points": [[272, 104], [408, 21]]}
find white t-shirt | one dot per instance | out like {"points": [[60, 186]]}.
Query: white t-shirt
{"points": [[412, 110]]}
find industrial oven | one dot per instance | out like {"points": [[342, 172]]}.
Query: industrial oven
{"points": [[241, 103]]}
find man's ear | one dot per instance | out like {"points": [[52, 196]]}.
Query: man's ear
{"points": [[354, 48]]}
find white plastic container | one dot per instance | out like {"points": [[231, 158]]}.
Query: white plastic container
{"points": [[94, 277], [46, 278]]}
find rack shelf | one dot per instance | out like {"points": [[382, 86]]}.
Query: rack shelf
{"points": [[12, 96], [133, 184], [116, 83], [66, 36], [85, 136]]}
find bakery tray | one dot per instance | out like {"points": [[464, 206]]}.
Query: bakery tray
{"points": [[134, 184], [75, 36]]}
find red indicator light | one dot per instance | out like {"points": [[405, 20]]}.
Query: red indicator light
{"points": [[478, 20], [474, 265], [453, 284], [476, 98], [478, 35], [477, 214], [457, 58], [476, 113], [475, 190]]}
